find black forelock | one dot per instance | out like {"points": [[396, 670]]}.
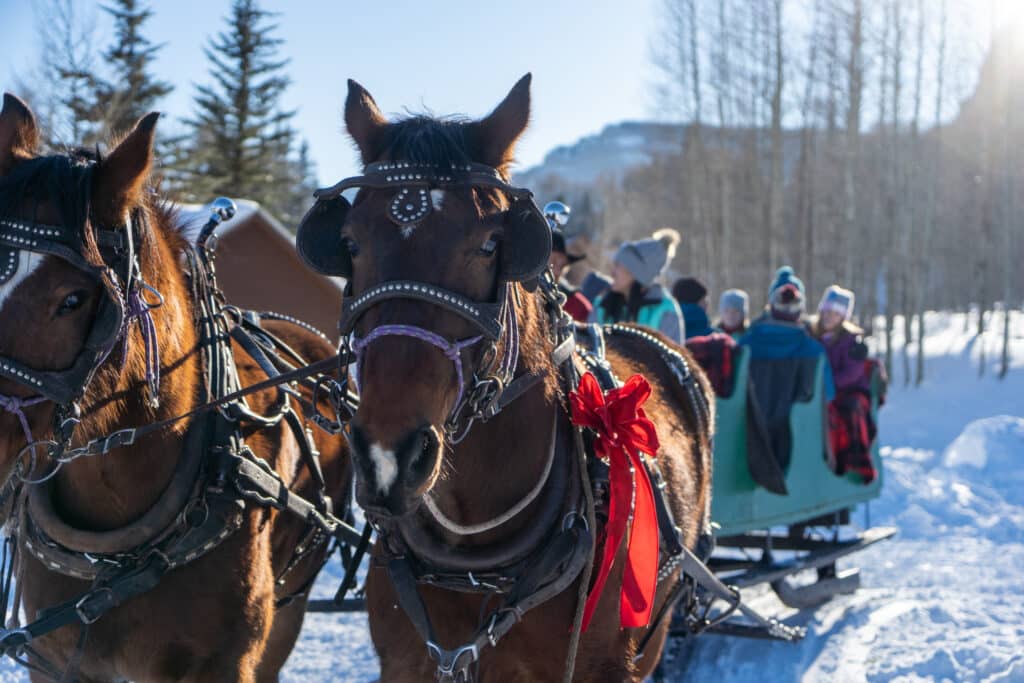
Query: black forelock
{"points": [[422, 139], [64, 180]]}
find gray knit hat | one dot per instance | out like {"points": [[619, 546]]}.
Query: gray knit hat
{"points": [[648, 258], [735, 299]]}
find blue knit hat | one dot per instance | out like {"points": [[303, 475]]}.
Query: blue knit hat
{"points": [[785, 276], [786, 295]]}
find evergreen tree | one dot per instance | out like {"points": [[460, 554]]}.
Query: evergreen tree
{"points": [[132, 91], [241, 136], [305, 183]]}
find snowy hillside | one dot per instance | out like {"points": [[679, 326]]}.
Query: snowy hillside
{"points": [[943, 601]]}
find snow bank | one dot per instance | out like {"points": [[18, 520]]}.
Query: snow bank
{"points": [[943, 601]]}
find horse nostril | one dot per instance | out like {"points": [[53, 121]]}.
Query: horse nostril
{"points": [[429, 443]]}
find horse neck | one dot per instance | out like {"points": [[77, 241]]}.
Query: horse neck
{"points": [[503, 459], [111, 490]]}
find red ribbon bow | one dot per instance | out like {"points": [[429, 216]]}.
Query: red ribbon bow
{"points": [[623, 432]]}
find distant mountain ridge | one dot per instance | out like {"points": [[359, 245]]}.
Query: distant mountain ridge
{"points": [[618, 148]]}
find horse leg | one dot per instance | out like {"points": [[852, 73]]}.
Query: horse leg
{"points": [[283, 635], [241, 657]]}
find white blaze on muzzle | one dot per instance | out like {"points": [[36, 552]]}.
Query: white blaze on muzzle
{"points": [[385, 467]]}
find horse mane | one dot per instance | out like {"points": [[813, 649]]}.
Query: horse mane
{"points": [[65, 180]]}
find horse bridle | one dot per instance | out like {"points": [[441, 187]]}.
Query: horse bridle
{"points": [[528, 246], [127, 298]]}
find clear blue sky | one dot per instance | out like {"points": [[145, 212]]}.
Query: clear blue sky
{"points": [[589, 59]]}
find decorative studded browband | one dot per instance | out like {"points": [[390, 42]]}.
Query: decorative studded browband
{"points": [[411, 203]]}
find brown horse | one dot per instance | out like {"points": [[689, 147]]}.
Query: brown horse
{"points": [[458, 237], [213, 619]]}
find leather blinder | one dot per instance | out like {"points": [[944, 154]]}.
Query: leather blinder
{"points": [[318, 239]]}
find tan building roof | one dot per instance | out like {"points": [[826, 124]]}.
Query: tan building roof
{"points": [[258, 268]]}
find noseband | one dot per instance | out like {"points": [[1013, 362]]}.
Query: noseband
{"points": [[451, 350]]}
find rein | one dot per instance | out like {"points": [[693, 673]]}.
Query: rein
{"points": [[128, 436]]}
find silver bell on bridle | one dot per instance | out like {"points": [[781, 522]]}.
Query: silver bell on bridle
{"points": [[557, 214]]}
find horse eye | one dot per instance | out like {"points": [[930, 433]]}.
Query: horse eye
{"points": [[489, 246], [72, 302], [351, 245]]}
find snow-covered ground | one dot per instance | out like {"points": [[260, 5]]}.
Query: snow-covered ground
{"points": [[942, 601]]}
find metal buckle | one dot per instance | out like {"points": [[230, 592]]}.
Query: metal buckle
{"points": [[82, 606], [569, 521], [452, 665]]}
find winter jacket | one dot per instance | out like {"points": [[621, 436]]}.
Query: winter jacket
{"points": [[696, 319], [772, 339], [658, 311], [783, 362], [846, 353]]}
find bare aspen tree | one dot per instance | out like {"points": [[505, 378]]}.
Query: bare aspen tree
{"points": [[805, 218], [851, 148], [932, 193], [988, 218], [775, 190], [1010, 101], [695, 146], [909, 278], [725, 94], [887, 140]]}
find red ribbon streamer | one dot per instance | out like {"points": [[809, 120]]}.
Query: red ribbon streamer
{"points": [[623, 432]]}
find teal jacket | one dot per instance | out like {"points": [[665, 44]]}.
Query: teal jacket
{"points": [[658, 311]]}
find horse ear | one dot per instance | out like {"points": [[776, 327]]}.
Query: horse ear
{"points": [[496, 135], [364, 122], [19, 134], [121, 175]]}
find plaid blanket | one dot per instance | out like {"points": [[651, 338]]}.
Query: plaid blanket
{"points": [[715, 354], [851, 432]]}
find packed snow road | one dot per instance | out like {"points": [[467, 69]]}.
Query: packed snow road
{"points": [[943, 601]]}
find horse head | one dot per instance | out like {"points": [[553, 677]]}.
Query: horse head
{"points": [[437, 247], [77, 238]]}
